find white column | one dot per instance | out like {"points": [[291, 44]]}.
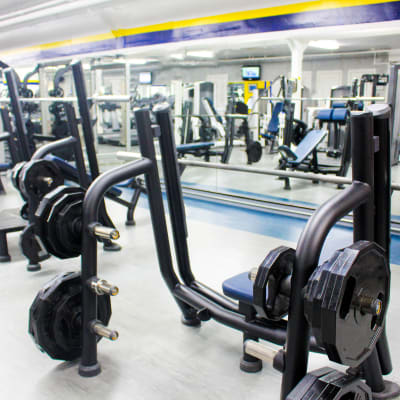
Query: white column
{"points": [[297, 48]]}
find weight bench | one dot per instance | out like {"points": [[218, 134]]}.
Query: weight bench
{"points": [[198, 149], [300, 159], [10, 221]]}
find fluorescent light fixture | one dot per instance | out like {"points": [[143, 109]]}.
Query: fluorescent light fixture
{"points": [[141, 61], [177, 56], [201, 53], [325, 44]]}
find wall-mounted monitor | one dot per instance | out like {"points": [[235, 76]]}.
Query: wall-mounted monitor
{"points": [[145, 78], [251, 72]]}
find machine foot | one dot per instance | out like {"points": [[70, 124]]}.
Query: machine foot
{"points": [[89, 371], [250, 366], [5, 258], [391, 391], [129, 222], [190, 321], [33, 267], [111, 246]]}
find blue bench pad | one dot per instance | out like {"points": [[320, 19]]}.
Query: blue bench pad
{"points": [[239, 287]]}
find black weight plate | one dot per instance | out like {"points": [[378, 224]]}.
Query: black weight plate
{"points": [[344, 328], [329, 384], [43, 210], [39, 177], [15, 174], [31, 245], [51, 226], [254, 152], [68, 226], [268, 299], [55, 316]]}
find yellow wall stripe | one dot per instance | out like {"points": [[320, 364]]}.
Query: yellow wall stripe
{"points": [[316, 5]]}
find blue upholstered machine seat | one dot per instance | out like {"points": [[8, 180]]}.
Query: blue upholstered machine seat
{"points": [[336, 114], [184, 148], [340, 114], [239, 287]]}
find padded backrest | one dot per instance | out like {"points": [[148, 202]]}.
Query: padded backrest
{"points": [[325, 115], [339, 104], [273, 126], [215, 119], [339, 114], [309, 143]]}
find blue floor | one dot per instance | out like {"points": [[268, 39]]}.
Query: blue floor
{"points": [[269, 224]]}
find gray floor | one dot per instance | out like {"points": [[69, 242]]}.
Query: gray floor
{"points": [[156, 357]]}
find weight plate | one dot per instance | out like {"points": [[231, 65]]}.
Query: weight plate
{"points": [[43, 210], [329, 384], [39, 177], [254, 152], [32, 246], [55, 316], [268, 299], [15, 174], [64, 245], [346, 310]]}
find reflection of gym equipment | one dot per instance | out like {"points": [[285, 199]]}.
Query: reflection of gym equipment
{"points": [[342, 301], [211, 134], [305, 157]]}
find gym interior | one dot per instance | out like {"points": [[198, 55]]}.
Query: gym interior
{"points": [[200, 200]]}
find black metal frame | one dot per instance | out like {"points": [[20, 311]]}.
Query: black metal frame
{"points": [[203, 303]]}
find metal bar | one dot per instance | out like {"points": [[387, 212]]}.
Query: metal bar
{"points": [[307, 255], [52, 146], [94, 99], [145, 135], [14, 151], [382, 179], [83, 178], [174, 193], [260, 351], [129, 156], [362, 139], [17, 111], [361, 98], [86, 120], [92, 203], [274, 332]]}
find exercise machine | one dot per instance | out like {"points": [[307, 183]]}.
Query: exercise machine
{"points": [[336, 306]]}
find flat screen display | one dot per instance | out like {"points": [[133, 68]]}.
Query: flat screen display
{"points": [[145, 78], [251, 72]]}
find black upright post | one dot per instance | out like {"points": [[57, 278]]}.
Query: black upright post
{"points": [[145, 136], [84, 111], [363, 149], [12, 144], [17, 111], [383, 207], [81, 94], [174, 193]]}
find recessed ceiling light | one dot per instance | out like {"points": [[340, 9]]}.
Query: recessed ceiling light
{"points": [[177, 56], [325, 44], [141, 61], [201, 53]]}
